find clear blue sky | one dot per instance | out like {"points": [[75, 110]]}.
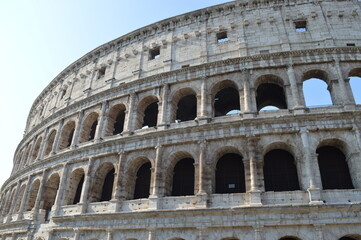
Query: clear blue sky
{"points": [[40, 38]]}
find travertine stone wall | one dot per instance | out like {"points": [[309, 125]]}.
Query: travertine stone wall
{"points": [[241, 45]]}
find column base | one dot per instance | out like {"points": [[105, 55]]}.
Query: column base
{"points": [[202, 200], [255, 198], [315, 196], [299, 110], [127, 133], [153, 203], [83, 207], [163, 126], [203, 120], [249, 114]]}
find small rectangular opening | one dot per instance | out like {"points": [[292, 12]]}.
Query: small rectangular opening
{"points": [[222, 37], [185, 66], [264, 51], [154, 53], [101, 72], [301, 26], [350, 44]]}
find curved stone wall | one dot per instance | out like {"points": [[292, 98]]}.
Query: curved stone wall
{"points": [[161, 134]]}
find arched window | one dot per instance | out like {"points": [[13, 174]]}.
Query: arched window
{"points": [[116, 120], [67, 135], [50, 191], [270, 95], [9, 202], [183, 178], [103, 182], [289, 238], [351, 237], [187, 108], [32, 195], [142, 183], [334, 170], [36, 149], [150, 115], [355, 83], [226, 99], [27, 155], [89, 128], [75, 186], [315, 89], [280, 172], [230, 176], [49, 143], [19, 198]]}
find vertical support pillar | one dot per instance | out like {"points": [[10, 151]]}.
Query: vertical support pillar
{"points": [[313, 190], [119, 192], [319, 231], [130, 116], [109, 234], [57, 137], [258, 232], [76, 233], [344, 95], [246, 96], [24, 199], [202, 194], [294, 88], [204, 106], [39, 197], [164, 116], [202, 233], [255, 193], [101, 123], [60, 194], [85, 191], [78, 126], [30, 156], [157, 181], [151, 234], [13, 204]]}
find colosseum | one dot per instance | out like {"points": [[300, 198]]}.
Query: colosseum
{"points": [[161, 134]]}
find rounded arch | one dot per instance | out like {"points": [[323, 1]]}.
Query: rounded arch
{"points": [[279, 145], [50, 142], [334, 169], [351, 237], [230, 238], [116, 118], [50, 191], [316, 73], [89, 127], [10, 202], [315, 82], [270, 92], [229, 171], [67, 135], [138, 177], [103, 182], [225, 98], [290, 238], [184, 105], [27, 154], [280, 171], [19, 198], [147, 112], [355, 84], [32, 195], [75, 186], [36, 149]]}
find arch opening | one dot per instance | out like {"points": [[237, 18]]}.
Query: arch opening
{"points": [[89, 128], [75, 187], [102, 187], [142, 183], [355, 82], [33, 195], [183, 178], [230, 177], [150, 115], [226, 102], [67, 135], [36, 149], [50, 191], [270, 95], [280, 171], [108, 186], [316, 93], [187, 108], [116, 119], [334, 169], [49, 143]]}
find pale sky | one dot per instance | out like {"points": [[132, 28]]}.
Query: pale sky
{"points": [[40, 38]]}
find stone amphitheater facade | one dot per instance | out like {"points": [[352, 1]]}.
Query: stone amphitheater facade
{"points": [[159, 135]]}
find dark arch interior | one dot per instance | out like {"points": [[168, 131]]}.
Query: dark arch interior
{"points": [[347, 238], [108, 186], [70, 137], [289, 238], [119, 122], [225, 101], [92, 130], [151, 115], [183, 178], [270, 94], [78, 190], [142, 183], [280, 172], [334, 170], [230, 174], [187, 108]]}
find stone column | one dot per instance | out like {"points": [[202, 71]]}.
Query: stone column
{"points": [[86, 186], [247, 96], [30, 157], [24, 199], [99, 131], [43, 144], [57, 137], [60, 193], [164, 116], [258, 232], [319, 231], [204, 96], [109, 234], [76, 233], [294, 88], [78, 127], [130, 116], [313, 190], [119, 192], [344, 95], [255, 192], [151, 234], [202, 168], [157, 176], [202, 233]]}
